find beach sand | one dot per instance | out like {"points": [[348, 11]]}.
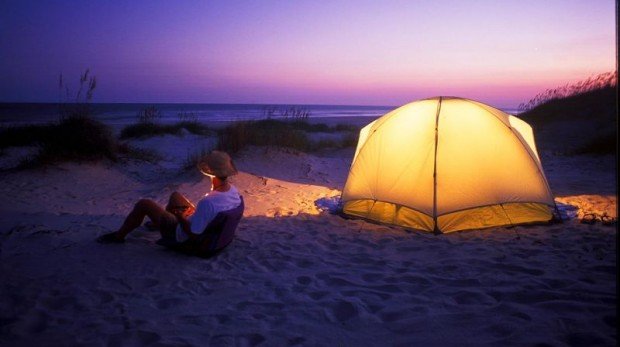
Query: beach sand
{"points": [[295, 275]]}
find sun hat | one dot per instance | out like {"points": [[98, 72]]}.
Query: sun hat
{"points": [[218, 164]]}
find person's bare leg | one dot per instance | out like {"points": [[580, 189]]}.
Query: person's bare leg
{"points": [[141, 209]]}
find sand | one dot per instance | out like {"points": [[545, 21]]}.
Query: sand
{"points": [[295, 274]]}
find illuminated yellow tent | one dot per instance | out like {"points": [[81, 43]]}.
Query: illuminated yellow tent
{"points": [[446, 164]]}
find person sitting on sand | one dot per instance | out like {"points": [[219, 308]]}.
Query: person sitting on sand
{"points": [[180, 220]]}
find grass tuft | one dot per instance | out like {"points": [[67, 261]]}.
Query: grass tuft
{"points": [[268, 132], [281, 133], [147, 125], [78, 138], [598, 82]]}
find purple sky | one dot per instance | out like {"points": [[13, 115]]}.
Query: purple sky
{"points": [[307, 52]]}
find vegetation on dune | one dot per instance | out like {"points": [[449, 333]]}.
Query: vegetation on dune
{"points": [[592, 84], [591, 103], [148, 125], [76, 136], [268, 132], [290, 131]]}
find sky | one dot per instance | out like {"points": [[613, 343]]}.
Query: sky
{"points": [[347, 52]]}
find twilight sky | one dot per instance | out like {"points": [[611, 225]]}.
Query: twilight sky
{"points": [[351, 52]]}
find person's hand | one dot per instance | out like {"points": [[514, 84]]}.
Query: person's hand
{"points": [[178, 212], [189, 211]]}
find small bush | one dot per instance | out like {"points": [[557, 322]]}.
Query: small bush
{"points": [[293, 113], [78, 139], [142, 130], [149, 115], [346, 127], [147, 125], [279, 133], [187, 117], [266, 132]]}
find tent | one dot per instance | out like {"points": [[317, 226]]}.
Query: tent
{"points": [[446, 164]]}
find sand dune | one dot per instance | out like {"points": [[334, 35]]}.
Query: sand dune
{"points": [[295, 275]]}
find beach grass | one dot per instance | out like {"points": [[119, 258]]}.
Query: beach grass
{"points": [[145, 130], [148, 125], [73, 138], [282, 133], [594, 109], [78, 138]]}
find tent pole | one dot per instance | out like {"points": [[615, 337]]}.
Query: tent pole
{"points": [[436, 228]]}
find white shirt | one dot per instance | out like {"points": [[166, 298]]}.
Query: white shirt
{"points": [[207, 208]]}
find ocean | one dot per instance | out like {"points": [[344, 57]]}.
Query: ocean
{"points": [[14, 114]]}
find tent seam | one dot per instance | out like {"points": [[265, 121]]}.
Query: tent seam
{"points": [[436, 226], [538, 168]]}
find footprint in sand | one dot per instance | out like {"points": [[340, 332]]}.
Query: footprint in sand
{"points": [[317, 295], [304, 263], [342, 311]]}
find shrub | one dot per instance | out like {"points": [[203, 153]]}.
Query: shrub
{"points": [[293, 113], [147, 125], [148, 115], [267, 132], [279, 133], [78, 138]]}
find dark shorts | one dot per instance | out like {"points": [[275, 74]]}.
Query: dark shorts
{"points": [[168, 226]]}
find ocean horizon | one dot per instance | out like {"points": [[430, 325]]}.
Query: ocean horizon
{"points": [[127, 113]]}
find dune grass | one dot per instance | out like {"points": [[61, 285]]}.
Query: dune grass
{"points": [[148, 125], [282, 133], [592, 84], [592, 104], [73, 138], [144, 130]]}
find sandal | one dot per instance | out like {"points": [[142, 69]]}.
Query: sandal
{"points": [[110, 238], [588, 218]]}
